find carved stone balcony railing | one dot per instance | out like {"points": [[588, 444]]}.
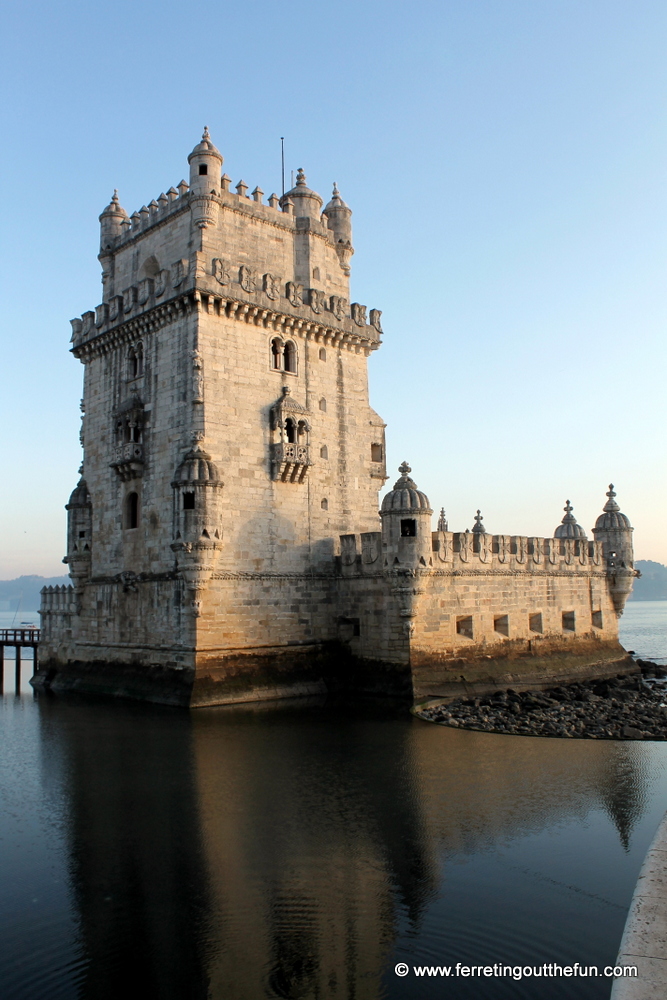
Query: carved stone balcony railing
{"points": [[129, 460], [290, 462]]}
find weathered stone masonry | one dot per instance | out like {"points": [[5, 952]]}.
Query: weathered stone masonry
{"points": [[224, 541]]}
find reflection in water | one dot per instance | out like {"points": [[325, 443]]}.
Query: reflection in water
{"points": [[238, 854]]}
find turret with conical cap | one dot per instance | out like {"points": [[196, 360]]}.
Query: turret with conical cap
{"points": [[205, 165], [111, 222], [614, 530], [339, 220], [406, 523]]}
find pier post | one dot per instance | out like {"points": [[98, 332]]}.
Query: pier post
{"points": [[2, 668], [17, 674]]}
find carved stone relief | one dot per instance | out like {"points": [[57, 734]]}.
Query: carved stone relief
{"points": [[181, 270], [375, 319], [359, 314], [272, 286], [247, 278], [315, 297], [161, 281], [294, 293], [221, 271]]}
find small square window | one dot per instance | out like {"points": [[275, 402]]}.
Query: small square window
{"points": [[501, 625], [596, 618], [464, 626], [188, 501], [408, 528], [568, 621], [535, 622], [376, 453], [203, 169]]}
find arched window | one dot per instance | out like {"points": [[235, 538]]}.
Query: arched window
{"points": [[324, 504], [132, 510], [276, 354], [323, 354], [135, 361], [302, 432], [324, 451], [290, 431], [289, 355]]}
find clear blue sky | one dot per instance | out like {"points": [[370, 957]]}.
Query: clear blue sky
{"points": [[505, 162]]}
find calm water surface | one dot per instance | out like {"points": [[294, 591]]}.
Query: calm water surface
{"points": [[301, 853]]}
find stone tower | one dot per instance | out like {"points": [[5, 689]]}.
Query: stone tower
{"points": [[228, 439]]}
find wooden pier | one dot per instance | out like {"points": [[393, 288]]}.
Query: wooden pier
{"points": [[19, 638]]}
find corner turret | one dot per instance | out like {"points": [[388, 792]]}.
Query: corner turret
{"points": [[338, 218], [205, 166], [406, 523], [79, 535], [614, 530], [112, 220]]}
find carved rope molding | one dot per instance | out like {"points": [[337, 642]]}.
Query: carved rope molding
{"points": [[164, 313]]}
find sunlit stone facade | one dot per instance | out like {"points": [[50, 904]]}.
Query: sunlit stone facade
{"points": [[224, 541]]}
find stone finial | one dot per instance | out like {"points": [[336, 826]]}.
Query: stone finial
{"points": [[478, 527], [274, 200], [172, 194], [404, 469], [286, 390], [241, 189], [442, 521], [163, 201], [300, 178], [205, 134], [183, 188], [611, 506], [225, 181], [258, 194]]}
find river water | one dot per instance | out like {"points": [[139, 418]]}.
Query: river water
{"points": [[242, 854]]}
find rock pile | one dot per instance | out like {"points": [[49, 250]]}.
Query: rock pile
{"points": [[619, 708]]}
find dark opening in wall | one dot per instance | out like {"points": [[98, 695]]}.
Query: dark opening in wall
{"points": [[348, 628], [464, 626], [82, 534], [324, 451], [408, 528], [188, 501], [535, 622], [324, 504], [323, 405], [596, 618], [323, 354], [132, 510], [568, 621], [276, 354], [376, 453], [290, 357], [501, 624], [203, 169], [290, 431]]}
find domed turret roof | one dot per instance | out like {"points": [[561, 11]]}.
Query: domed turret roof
{"points": [[205, 147], [569, 528], [196, 467], [611, 517], [80, 497], [336, 203], [114, 208], [405, 497], [301, 189]]}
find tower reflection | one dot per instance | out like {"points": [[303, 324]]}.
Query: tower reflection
{"points": [[244, 854]]}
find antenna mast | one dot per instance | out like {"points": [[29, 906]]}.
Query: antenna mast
{"points": [[282, 157]]}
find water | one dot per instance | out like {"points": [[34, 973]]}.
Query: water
{"points": [[301, 853]]}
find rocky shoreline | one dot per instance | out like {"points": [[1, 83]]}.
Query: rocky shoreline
{"points": [[626, 707]]}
